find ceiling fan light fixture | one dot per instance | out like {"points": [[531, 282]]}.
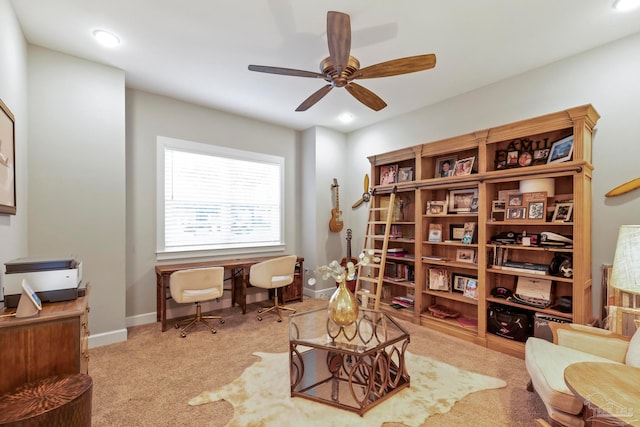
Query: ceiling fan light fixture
{"points": [[345, 118], [625, 5], [106, 39]]}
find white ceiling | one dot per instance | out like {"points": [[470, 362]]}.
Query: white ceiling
{"points": [[199, 50]]}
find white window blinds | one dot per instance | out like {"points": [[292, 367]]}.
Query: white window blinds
{"points": [[216, 198]]}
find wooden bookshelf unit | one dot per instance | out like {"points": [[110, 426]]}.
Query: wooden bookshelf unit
{"points": [[530, 180]]}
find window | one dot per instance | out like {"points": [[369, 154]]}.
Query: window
{"points": [[217, 200]]}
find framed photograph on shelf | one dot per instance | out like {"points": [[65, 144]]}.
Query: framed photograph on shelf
{"points": [[536, 204], [459, 282], [540, 156], [516, 213], [456, 231], [388, 174], [460, 200], [465, 255], [468, 233], [497, 210], [437, 207], [562, 212], [503, 195], [514, 199], [512, 158], [7, 161], [435, 233], [439, 279], [561, 150], [471, 289], [464, 166], [497, 206], [444, 166], [525, 158], [405, 174]]}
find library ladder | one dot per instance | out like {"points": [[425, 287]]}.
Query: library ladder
{"points": [[370, 276]]}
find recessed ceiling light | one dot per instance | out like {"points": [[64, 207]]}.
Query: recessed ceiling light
{"points": [[625, 5], [345, 118], [106, 38]]}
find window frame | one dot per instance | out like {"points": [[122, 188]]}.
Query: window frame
{"points": [[162, 253]]}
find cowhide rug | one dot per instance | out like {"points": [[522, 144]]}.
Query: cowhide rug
{"points": [[260, 396]]}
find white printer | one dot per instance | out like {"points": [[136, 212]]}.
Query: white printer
{"points": [[53, 279]]}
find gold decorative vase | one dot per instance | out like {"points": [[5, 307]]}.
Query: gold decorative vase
{"points": [[343, 306]]}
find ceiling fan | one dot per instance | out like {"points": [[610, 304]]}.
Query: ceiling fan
{"points": [[340, 69]]}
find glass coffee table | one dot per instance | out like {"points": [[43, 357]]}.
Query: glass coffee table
{"points": [[352, 367]]}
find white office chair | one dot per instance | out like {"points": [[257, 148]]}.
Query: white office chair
{"points": [[273, 274], [197, 285]]}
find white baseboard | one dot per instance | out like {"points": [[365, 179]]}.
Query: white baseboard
{"points": [[106, 338], [318, 293], [112, 337]]}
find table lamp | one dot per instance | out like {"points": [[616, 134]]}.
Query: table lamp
{"points": [[625, 274]]}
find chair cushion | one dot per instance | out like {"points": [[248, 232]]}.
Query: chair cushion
{"points": [[633, 352], [546, 363]]}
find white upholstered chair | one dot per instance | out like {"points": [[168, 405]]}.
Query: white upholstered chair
{"points": [[546, 362], [273, 274], [194, 286]]}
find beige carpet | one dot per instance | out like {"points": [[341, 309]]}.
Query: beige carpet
{"points": [[260, 396], [149, 379]]}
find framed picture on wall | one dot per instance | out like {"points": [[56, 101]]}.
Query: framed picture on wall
{"points": [[7, 161]]}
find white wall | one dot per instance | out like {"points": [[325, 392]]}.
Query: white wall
{"points": [[77, 176], [324, 161], [149, 116], [606, 77], [13, 92]]}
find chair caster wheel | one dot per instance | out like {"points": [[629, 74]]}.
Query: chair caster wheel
{"points": [[177, 326], [260, 310], [221, 321], [214, 331], [279, 320], [259, 318], [183, 335]]}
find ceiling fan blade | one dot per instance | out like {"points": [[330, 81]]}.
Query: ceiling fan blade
{"points": [[366, 182], [365, 96], [395, 67], [315, 97], [339, 38], [358, 203], [285, 71]]}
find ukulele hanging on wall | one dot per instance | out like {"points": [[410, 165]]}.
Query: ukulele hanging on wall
{"points": [[335, 223]]}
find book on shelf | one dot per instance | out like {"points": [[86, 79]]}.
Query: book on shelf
{"points": [[406, 301], [434, 258], [467, 322]]}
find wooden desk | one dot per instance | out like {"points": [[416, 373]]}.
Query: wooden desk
{"points": [[53, 343], [611, 392], [239, 269]]}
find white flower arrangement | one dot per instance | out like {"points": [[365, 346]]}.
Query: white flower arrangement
{"points": [[340, 273]]}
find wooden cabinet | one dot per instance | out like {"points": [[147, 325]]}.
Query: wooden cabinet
{"points": [[53, 343], [524, 179], [294, 291]]}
